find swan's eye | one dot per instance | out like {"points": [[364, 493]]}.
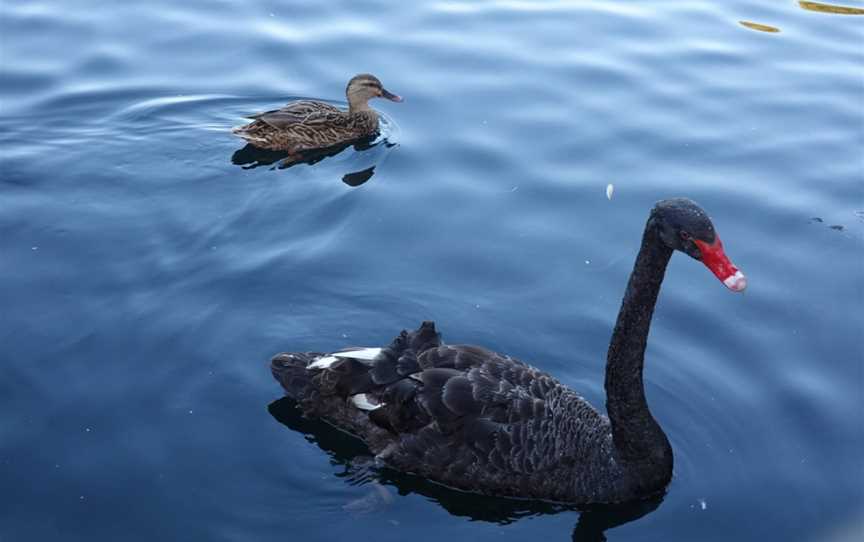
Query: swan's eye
{"points": [[685, 236]]}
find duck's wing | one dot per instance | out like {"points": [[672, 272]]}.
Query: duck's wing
{"points": [[304, 112]]}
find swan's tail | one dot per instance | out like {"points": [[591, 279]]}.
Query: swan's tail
{"points": [[356, 373], [289, 369]]}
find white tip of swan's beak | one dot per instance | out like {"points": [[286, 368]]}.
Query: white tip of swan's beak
{"points": [[736, 282]]}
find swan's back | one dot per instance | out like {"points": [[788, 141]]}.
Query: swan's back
{"points": [[462, 416]]}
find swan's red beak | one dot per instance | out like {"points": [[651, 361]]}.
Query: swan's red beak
{"points": [[716, 260]]}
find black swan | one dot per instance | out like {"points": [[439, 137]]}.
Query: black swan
{"points": [[483, 422]]}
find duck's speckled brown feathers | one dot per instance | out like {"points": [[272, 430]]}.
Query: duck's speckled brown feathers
{"points": [[307, 125], [465, 417]]}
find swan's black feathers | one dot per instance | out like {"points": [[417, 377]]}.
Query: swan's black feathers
{"points": [[463, 416], [407, 364], [345, 377], [457, 394], [385, 369]]}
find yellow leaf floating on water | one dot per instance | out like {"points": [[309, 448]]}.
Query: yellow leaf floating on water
{"points": [[830, 8], [759, 27]]}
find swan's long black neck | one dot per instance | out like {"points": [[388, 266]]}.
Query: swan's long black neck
{"points": [[639, 441]]}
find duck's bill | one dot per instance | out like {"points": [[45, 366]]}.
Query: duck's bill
{"points": [[390, 96], [716, 260]]}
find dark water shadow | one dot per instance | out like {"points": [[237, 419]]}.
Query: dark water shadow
{"points": [[250, 157], [358, 177], [346, 450]]}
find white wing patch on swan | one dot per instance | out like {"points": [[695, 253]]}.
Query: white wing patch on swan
{"points": [[322, 362], [363, 353], [362, 401]]}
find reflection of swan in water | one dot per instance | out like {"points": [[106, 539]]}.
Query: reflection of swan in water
{"points": [[349, 452]]}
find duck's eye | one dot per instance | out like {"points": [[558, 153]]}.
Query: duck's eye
{"points": [[685, 236]]}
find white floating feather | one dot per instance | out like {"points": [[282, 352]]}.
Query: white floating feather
{"points": [[363, 353], [322, 362], [609, 190], [361, 401]]}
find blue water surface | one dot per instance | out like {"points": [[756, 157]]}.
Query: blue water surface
{"points": [[147, 274]]}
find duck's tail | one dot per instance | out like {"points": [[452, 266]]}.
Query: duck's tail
{"points": [[248, 134]]}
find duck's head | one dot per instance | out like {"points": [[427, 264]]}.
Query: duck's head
{"points": [[364, 87], [683, 225]]}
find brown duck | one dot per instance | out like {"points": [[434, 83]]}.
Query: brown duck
{"points": [[308, 125]]}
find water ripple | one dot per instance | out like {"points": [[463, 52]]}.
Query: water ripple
{"points": [[149, 277]]}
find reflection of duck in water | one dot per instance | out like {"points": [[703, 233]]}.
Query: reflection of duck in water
{"points": [[250, 157], [352, 455], [309, 125]]}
